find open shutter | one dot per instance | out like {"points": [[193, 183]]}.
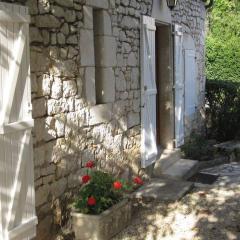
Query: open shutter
{"points": [[17, 199], [148, 92], [190, 82], [179, 85]]}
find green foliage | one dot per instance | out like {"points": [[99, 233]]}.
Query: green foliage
{"points": [[101, 187], [223, 111], [223, 41], [198, 148]]}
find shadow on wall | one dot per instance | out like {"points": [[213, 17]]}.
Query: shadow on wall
{"points": [[208, 214]]}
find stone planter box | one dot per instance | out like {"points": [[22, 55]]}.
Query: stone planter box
{"points": [[103, 226]]}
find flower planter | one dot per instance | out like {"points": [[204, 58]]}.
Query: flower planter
{"points": [[103, 226]]}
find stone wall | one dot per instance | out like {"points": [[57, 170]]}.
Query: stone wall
{"points": [[70, 128], [191, 16]]}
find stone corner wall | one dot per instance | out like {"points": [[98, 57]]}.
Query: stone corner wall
{"points": [[70, 128]]}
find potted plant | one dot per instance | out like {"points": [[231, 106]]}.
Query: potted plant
{"points": [[102, 209]]}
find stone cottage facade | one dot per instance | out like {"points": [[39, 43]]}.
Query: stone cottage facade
{"points": [[86, 91]]}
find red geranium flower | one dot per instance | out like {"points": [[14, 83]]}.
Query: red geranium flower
{"points": [[138, 180], [91, 201], [89, 164], [117, 185], [86, 178]]}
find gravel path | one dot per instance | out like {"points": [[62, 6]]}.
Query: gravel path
{"points": [[207, 213]]}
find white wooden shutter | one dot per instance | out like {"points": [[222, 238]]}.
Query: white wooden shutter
{"points": [[190, 82], [148, 92], [17, 199], [179, 85]]}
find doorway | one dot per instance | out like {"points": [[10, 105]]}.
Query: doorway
{"points": [[164, 82]]}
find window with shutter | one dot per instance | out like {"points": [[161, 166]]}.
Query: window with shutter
{"points": [[179, 85], [190, 82], [148, 92]]}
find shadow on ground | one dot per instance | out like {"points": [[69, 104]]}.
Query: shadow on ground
{"points": [[210, 213]]}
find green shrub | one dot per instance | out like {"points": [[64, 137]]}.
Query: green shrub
{"points": [[223, 109], [198, 148], [223, 41]]}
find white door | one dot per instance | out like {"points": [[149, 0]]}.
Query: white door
{"points": [[148, 92], [190, 82], [179, 85], [17, 199]]}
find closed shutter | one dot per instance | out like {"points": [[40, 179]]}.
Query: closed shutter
{"points": [[190, 82], [148, 92], [179, 85], [17, 199]]}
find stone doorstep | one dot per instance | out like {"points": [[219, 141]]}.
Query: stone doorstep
{"points": [[182, 169], [167, 158], [162, 190]]}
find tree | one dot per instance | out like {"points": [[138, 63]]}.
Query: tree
{"points": [[223, 41]]}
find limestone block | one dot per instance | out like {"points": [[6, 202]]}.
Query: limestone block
{"points": [[100, 114], [47, 21], [66, 68], [58, 188], [69, 88], [39, 129], [98, 4], [57, 11], [61, 38], [135, 78], [65, 29], [89, 85], [39, 107], [75, 179], [133, 119], [42, 195], [57, 90], [130, 22], [39, 156], [33, 6], [50, 132], [72, 52], [105, 85], [43, 6], [72, 39], [65, 3], [102, 23], [88, 17], [60, 124], [86, 48], [35, 35], [70, 16], [39, 61], [57, 106], [105, 51], [46, 37], [132, 59], [121, 82], [44, 83]]}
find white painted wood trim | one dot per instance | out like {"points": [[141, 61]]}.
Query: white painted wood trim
{"points": [[14, 72], [23, 228], [15, 192], [14, 17], [17, 126]]}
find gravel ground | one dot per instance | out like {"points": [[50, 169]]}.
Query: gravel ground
{"points": [[207, 213]]}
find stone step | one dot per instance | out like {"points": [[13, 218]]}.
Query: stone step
{"points": [[167, 158], [182, 169], [163, 189]]}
